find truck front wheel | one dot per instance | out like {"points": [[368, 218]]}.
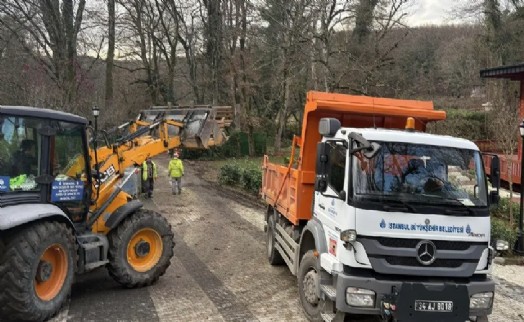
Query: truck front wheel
{"points": [[309, 286], [140, 249], [273, 255], [37, 266]]}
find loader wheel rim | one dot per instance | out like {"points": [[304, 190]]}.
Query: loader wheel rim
{"points": [[51, 272], [144, 249]]}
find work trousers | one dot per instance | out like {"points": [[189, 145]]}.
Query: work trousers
{"points": [[176, 185]]}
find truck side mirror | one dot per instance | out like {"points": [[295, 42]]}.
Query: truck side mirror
{"points": [[328, 126], [494, 197], [495, 172], [323, 150]]}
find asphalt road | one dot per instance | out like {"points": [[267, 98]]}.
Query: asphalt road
{"points": [[220, 271]]}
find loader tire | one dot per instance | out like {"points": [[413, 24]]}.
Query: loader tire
{"points": [[273, 255], [140, 249], [37, 265]]}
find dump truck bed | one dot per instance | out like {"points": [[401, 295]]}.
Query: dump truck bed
{"points": [[289, 189]]}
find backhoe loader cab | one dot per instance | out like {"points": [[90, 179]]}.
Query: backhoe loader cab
{"points": [[43, 158]]}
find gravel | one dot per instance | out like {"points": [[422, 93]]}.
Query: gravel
{"points": [[509, 293]]}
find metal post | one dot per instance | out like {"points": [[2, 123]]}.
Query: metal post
{"points": [[519, 249]]}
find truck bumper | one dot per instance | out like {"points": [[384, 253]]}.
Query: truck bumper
{"points": [[405, 292]]}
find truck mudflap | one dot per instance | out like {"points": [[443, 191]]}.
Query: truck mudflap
{"points": [[418, 302]]}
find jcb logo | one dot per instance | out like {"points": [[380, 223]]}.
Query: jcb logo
{"points": [[107, 174]]}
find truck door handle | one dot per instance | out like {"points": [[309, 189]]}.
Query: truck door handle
{"points": [[322, 206]]}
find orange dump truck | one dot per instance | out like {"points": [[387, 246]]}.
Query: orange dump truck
{"points": [[370, 209]]}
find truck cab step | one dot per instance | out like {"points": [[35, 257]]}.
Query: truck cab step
{"points": [[329, 291]]}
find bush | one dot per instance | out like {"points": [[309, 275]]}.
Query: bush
{"points": [[500, 229], [245, 176], [230, 174], [252, 180], [502, 210]]}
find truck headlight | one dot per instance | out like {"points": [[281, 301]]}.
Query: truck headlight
{"points": [[360, 297], [348, 236], [481, 300]]}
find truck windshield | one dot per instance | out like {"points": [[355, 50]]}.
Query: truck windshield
{"points": [[422, 174]]}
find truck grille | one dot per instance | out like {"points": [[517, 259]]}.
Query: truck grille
{"points": [[410, 261], [412, 243], [399, 256]]}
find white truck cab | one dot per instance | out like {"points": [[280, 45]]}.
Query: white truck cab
{"points": [[405, 217]]}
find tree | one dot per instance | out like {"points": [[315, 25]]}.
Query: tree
{"points": [[289, 36], [141, 22], [504, 121], [110, 53], [53, 28], [213, 37]]}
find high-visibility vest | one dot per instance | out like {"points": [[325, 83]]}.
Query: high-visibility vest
{"points": [[145, 172]]}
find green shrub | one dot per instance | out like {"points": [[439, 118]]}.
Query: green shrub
{"points": [[246, 176], [500, 229], [502, 210], [252, 180], [230, 174]]}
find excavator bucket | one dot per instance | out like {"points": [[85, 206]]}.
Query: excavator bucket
{"points": [[203, 125]]}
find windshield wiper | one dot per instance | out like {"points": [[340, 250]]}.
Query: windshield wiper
{"points": [[462, 206], [455, 202], [405, 205], [387, 203]]}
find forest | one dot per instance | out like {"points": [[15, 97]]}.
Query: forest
{"points": [[261, 57]]}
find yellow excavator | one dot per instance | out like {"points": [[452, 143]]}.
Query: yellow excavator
{"points": [[63, 209]]}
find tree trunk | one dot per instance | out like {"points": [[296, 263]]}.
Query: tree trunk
{"points": [[213, 29], [283, 113], [110, 54], [510, 178]]}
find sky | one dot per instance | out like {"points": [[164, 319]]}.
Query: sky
{"points": [[426, 12]]}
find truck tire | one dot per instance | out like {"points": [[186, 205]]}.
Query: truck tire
{"points": [[309, 286], [140, 249], [37, 267], [273, 255]]}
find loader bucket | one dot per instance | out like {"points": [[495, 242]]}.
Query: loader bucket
{"points": [[204, 125]]}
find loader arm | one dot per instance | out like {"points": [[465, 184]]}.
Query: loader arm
{"points": [[147, 137]]}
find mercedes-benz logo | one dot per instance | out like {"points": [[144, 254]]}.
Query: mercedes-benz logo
{"points": [[426, 252]]}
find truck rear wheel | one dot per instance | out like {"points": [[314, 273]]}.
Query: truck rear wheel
{"points": [[140, 249], [37, 268], [309, 286], [273, 255]]}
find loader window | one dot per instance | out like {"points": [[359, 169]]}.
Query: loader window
{"points": [[20, 151]]}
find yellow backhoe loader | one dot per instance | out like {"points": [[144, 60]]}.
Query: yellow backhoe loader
{"points": [[62, 207]]}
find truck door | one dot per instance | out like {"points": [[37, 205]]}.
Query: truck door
{"points": [[330, 205]]}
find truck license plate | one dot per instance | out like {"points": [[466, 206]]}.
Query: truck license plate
{"points": [[433, 306]]}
